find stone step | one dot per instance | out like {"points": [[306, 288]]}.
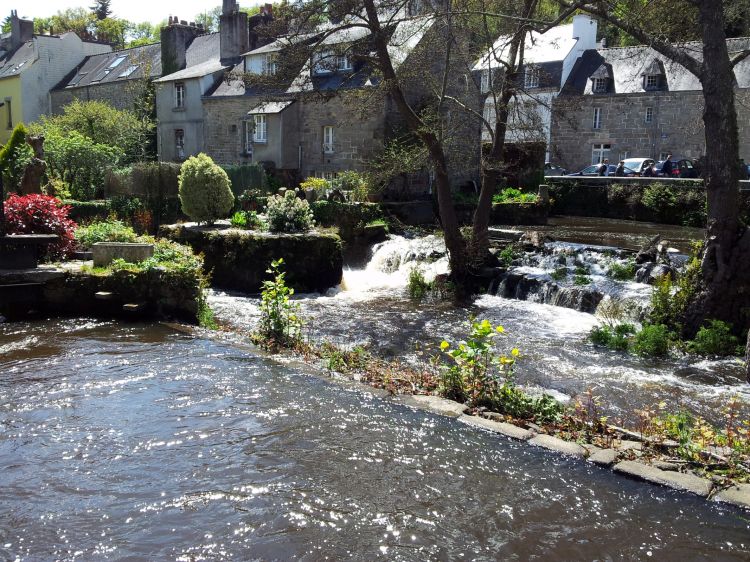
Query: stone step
{"points": [[104, 296]]}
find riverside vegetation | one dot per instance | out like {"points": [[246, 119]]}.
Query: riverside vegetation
{"points": [[473, 373]]}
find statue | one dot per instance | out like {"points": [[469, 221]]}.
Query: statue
{"points": [[32, 175]]}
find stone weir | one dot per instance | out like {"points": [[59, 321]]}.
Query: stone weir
{"points": [[77, 289], [238, 259]]}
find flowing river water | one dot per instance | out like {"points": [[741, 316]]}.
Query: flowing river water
{"points": [[134, 441]]}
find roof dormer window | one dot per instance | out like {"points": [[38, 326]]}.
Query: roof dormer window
{"points": [[654, 77], [531, 76], [601, 80]]}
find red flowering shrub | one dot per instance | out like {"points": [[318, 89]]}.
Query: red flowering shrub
{"points": [[40, 214]]}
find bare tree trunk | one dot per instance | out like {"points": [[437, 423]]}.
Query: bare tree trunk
{"points": [[724, 293]]}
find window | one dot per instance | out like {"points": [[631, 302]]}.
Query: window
{"points": [[531, 76], [327, 61], [249, 130], [9, 123], [268, 64], [663, 155], [652, 82], [260, 133], [649, 115], [600, 85], [600, 152], [129, 70], [179, 144], [485, 84], [330, 176], [624, 155], [328, 139], [343, 62], [597, 118], [179, 94]]}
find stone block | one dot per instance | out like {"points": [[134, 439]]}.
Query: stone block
{"points": [[559, 445], [738, 495], [604, 457], [106, 252], [436, 405], [503, 428], [677, 480]]}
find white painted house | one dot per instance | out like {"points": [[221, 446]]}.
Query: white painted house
{"points": [[549, 59]]}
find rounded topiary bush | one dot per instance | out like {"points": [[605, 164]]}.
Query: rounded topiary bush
{"points": [[289, 213], [205, 190]]}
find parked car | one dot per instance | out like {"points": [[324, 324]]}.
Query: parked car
{"points": [[681, 168], [554, 170], [593, 170], [638, 165]]}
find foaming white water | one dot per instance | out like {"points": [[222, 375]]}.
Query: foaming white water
{"points": [[391, 262], [25, 343]]}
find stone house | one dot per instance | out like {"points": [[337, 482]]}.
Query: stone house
{"points": [[30, 66], [204, 63], [633, 102], [548, 60], [324, 113]]}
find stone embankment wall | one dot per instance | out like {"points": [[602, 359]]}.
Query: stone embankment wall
{"points": [[238, 259]]}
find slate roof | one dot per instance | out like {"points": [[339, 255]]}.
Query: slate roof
{"points": [[627, 66], [202, 59], [13, 63], [126, 64]]}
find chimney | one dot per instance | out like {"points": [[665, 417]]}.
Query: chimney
{"points": [[20, 30], [234, 33], [175, 40]]}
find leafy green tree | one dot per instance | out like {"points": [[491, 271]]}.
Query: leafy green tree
{"points": [[111, 30], [102, 124], [13, 158], [101, 9], [205, 190], [77, 20]]}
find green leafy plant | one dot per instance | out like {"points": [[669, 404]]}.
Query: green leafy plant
{"points": [[560, 273], [654, 340], [318, 184], [581, 280], [507, 255], [14, 156], [105, 231], [353, 182], [622, 271], [205, 192], [715, 339], [513, 195], [417, 286], [617, 337], [289, 213], [246, 219], [477, 376], [661, 199], [280, 321]]}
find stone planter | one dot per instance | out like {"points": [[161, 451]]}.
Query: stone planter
{"points": [[106, 252]]}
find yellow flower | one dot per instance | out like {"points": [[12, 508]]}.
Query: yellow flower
{"points": [[500, 329], [514, 352], [444, 345]]}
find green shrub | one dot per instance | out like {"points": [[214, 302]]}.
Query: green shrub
{"points": [[204, 188], [14, 156], [105, 231], [477, 376], [125, 207], [318, 184], [622, 271], [280, 321], [661, 199], [654, 340], [507, 255], [669, 302], [513, 195], [417, 286], [581, 280], [244, 177], [715, 339], [353, 182], [289, 213], [560, 273], [617, 337], [246, 219], [88, 211]]}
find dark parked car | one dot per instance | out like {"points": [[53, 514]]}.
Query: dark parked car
{"points": [[681, 168], [593, 170], [554, 170]]}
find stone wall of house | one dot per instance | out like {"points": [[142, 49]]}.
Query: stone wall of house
{"points": [[223, 131], [120, 95], [676, 126], [358, 133]]}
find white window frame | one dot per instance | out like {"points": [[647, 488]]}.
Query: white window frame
{"points": [[343, 62], [624, 155], [8, 105], [531, 76], [663, 156], [330, 176], [260, 128], [179, 95], [600, 85], [484, 85], [649, 117], [328, 139], [651, 82], [179, 143], [269, 64], [597, 121], [600, 151]]}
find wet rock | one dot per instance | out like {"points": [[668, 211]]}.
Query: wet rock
{"points": [[626, 445], [677, 480], [652, 272], [559, 445], [436, 405], [668, 466], [533, 240], [503, 428], [337, 196], [738, 495], [603, 457], [649, 252]]}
